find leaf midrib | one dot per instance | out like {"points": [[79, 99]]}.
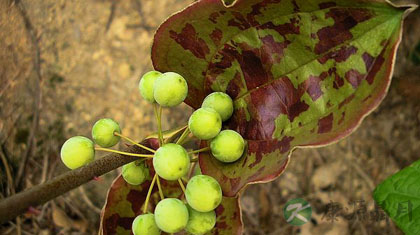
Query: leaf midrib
{"points": [[316, 58], [332, 107]]}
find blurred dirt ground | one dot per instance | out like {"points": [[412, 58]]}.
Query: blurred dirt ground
{"points": [[65, 64]]}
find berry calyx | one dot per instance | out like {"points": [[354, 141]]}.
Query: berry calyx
{"points": [[228, 146], [170, 89], [203, 193], [135, 173], [145, 225], [103, 132], [77, 151], [200, 222], [146, 85], [171, 215], [221, 103], [205, 123], [171, 161]]}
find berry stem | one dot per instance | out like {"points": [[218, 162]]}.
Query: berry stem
{"points": [[182, 185], [146, 203], [158, 115], [193, 165], [199, 150], [134, 142], [160, 189], [183, 136], [123, 153]]}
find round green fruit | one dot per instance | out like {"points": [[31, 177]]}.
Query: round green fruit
{"points": [[171, 215], [200, 222], [203, 193], [205, 123], [77, 151], [146, 85], [145, 225], [135, 173], [170, 89], [228, 146], [103, 132], [220, 102], [171, 161]]}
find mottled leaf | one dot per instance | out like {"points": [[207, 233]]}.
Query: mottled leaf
{"points": [[301, 72], [124, 202], [399, 196]]}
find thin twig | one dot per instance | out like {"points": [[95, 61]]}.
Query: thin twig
{"points": [[11, 186], [19, 203], [44, 168], [134, 142], [199, 150], [146, 203], [183, 136], [32, 34], [193, 166], [182, 185], [139, 8], [123, 153], [158, 115], [160, 189], [8, 172], [111, 15]]}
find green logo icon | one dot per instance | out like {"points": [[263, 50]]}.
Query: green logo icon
{"points": [[297, 212]]}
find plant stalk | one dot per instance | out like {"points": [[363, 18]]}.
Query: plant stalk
{"points": [[19, 203]]}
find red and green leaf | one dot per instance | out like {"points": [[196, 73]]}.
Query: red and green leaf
{"points": [[125, 202], [301, 72]]}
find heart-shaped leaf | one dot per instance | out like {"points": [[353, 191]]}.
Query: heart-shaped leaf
{"points": [[125, 202], [301, 72]]}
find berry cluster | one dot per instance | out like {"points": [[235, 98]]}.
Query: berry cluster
{"points": [[171, 161]]}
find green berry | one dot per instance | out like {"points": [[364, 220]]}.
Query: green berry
{"points": [[203, 193], [146, 85], [171, 161], [171, 215], [145, 225], [205, 123], [135, 173], [228, 146], [103, 132], [77, 151], [220, 102], [170, 89], [200, 222]]}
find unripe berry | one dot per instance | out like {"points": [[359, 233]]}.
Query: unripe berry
{"points": [[171, 161], [200, 222], [77, 151], [103, 132], [203, 193], [146, 85], [171, 215], [135, 173], [228, 146], [145, 225], [220, 102], [205, 123], [170, 89]]}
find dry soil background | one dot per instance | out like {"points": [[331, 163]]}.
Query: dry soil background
{"points": [[64, 64]]}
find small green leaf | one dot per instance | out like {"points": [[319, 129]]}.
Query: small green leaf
{"points": [[399, 196]]}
